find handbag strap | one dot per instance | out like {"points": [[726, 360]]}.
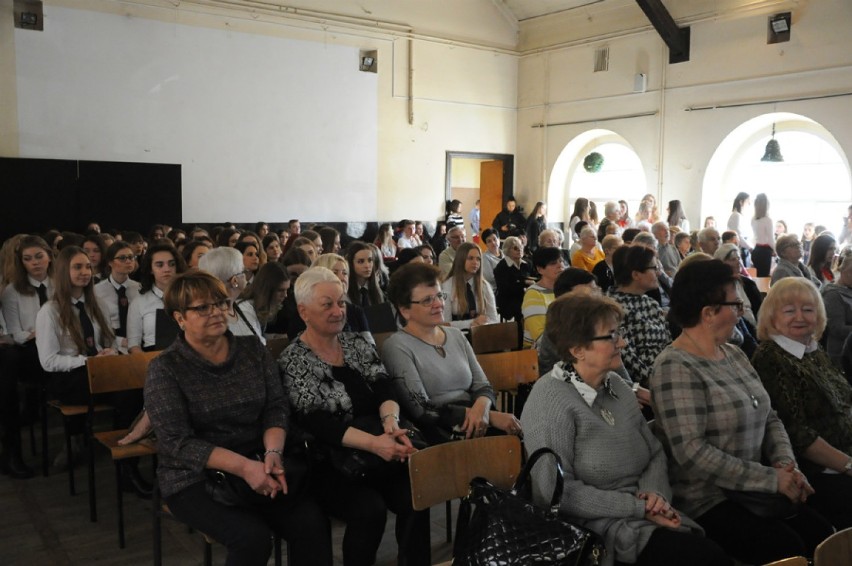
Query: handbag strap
{"points": [[524, 476]]}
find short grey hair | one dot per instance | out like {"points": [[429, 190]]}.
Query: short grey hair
{"points": [[588, 230], [307, 282], [645, 239], [511, 242], [611, 207], [222, 262], [704, 234], [786, 241], [548, 232], [454, 228], [659, 226]]}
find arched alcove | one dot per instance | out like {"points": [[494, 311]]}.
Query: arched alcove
{"points": [[812, 184], [621, 177]]}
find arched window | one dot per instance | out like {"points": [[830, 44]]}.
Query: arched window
{"points": [[812, 184], [620, 178]]}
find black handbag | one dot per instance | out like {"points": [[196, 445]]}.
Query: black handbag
{"points": [[233, 491], [505, 528]]}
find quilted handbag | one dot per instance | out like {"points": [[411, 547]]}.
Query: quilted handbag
{"points": [[503, 528]]}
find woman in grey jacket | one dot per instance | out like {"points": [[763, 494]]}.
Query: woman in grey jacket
{"points": [[615, 469]]}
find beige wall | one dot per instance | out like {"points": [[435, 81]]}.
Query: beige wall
{"points": [[730, 62]]}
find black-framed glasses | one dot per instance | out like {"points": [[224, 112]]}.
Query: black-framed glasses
{"points": [[736, 306], [650, 268], [427, 301], [207, 308], [613, 336], [124, 258]]}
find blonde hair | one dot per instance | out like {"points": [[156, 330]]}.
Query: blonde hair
{"points": [[784, 292]]}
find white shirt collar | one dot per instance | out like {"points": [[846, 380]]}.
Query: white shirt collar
{"points": [[156, 291], [586, 391], [115, 283], [35, 283], [509, 261], [792, 347]]}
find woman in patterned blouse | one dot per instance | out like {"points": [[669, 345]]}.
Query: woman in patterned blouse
{"points": [[811, 396], [725, 443], [644, 327]]}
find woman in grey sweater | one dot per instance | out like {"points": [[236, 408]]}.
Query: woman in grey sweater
{"points": [[615, 469]]}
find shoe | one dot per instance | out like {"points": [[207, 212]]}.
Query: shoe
{"points": [[133, 482], [14, 467]]}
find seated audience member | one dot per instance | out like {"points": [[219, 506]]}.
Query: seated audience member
{"points": [[629, 234], [470, 301], [789, 251], [664, 287], [611, 212], [589, 253], [226, 264], [666, 252], [578, 228], [287, 321], [260, 302], [194, 251], [730, 237], [708, 240], [455, 237], [683, 245], [251, 259], [491, 257], [314, 238], [330, 240], [548, 262], [29, 287], [228, 237], [808, 237], [643, 324], [253, 238], [603, 269], [615, 467], [220, 414], [381, 269], [159, 266], [272, 247], [822, 256], [364, 283], [407, 239], [420, 232], [745, 331], [94, 247], [306, 246], [513, 275], [439, 239], [441, 385], [813, 399], [338, 386], [837, 297], [356, 320], [428, 254], [726, 445], [385, 242], [406, 256], [70, 239], [117, 290]]}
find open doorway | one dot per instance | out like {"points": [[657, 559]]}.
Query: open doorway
{"points": [[487, 177]]}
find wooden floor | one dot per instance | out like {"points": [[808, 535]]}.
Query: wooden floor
{"points": [[41, 524]]}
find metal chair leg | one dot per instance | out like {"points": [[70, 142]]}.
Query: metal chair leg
{"points": [[42, 403], [93, 503], [70, 452], [120, 502], [449, 507], [276, 542], [157, 523], [208, 553]]}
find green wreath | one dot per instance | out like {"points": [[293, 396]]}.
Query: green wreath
{"points": [[593, 162]]}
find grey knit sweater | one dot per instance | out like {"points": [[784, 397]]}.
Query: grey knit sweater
{"points": [[605, 465]]}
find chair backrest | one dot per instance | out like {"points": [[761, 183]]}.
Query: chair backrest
{"points": [[506, 370], [276, 345], [792, 561], [108, 374], [380, 338], [443, 472], [501, 337], [835, 550]]}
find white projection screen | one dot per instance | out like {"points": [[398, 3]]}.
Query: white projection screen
{"points": [[263, 127]]}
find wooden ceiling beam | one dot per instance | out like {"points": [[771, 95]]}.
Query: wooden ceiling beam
{"points": [[676, 38]]}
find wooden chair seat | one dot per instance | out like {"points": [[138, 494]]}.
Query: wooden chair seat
{"points": [[501, 337], [507, 370], [792, 561], [76, 410], [110, 438], [836, 550]]}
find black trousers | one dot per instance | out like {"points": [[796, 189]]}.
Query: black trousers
{"points": [[754, 540], [246, 531], [833, 498], [761, 259], [674, 548], [364, 505], [10, 416]]}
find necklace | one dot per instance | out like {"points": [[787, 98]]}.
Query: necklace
{"points": [[754, 402], [438, 347]]}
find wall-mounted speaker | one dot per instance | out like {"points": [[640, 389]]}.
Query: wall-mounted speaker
{"points": [[640, 82]]}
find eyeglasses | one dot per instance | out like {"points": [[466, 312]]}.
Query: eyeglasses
{"points": [[650, 268], [613, 336], [427, 301], [244, 273], [736, 306], [124, 258], [207, 308]]}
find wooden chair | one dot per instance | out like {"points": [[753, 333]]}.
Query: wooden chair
{"points": [[752, 272], [111, 374], [792, 561], [276, 345], [442, 473], [380, 338], [501, 337], [763, 284], [836, 550], [507, 370], [68, 412]]}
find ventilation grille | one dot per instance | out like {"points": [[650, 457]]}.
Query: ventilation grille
{"points": [[602, 59]]}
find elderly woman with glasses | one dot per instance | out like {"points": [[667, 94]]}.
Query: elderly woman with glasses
{"points": [[731, 464], [812, 397], [512, 275], [221, 417], [442, 387], [615, 469], [342, 395], [226, 264]]}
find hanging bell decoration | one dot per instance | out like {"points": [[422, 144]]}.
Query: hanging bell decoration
{"points": [[773, 150]]}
